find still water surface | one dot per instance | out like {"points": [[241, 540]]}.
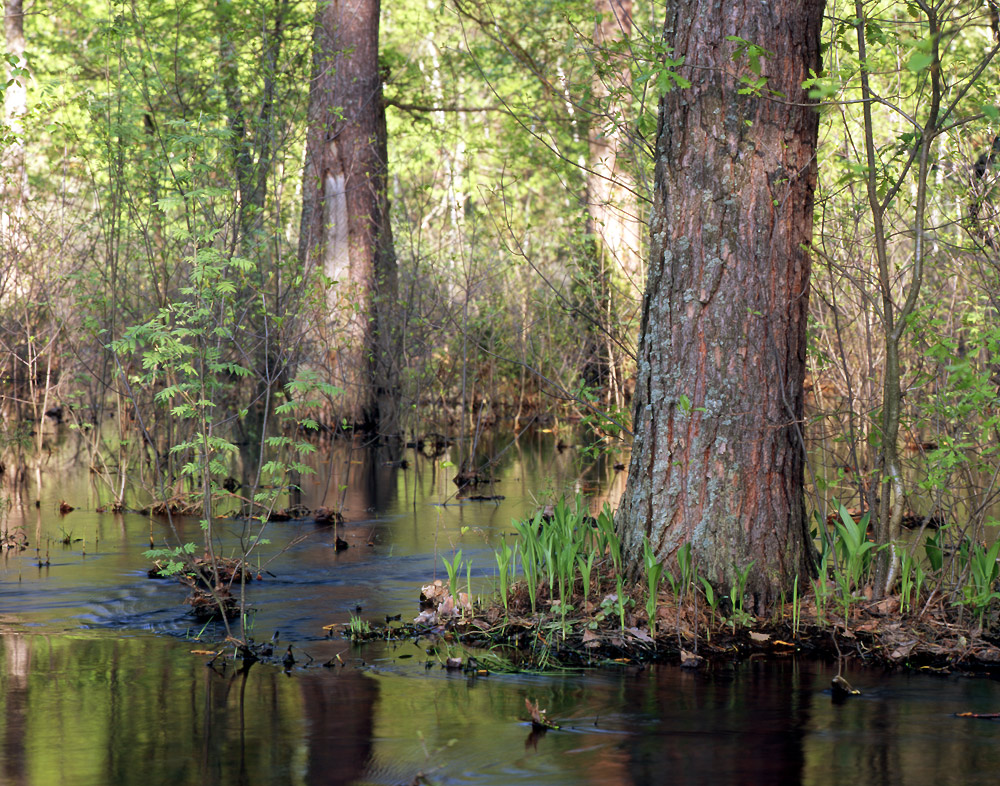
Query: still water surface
{"points": [[99, 684]]}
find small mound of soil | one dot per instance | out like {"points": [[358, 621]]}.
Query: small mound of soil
{"points": [[206, 606]]}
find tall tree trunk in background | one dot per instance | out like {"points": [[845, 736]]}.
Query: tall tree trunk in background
{"points": [[345, 210], [613, 210], [611, 200], [718, 456], [13, 173]]}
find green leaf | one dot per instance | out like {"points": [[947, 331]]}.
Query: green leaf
{"points": [[919, 61]]}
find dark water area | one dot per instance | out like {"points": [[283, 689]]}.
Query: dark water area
{"points": [[139, 709], [100, 683]]}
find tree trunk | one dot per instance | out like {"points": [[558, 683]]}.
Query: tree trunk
{"points": [[611, 201], [614, 274], [718, 456], [13, 174], [345, 233]]}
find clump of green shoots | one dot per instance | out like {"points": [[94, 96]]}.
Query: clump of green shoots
{"points": [[911, 578], [586, 567], [506, 569], [978, 591], [853, 551], [358, 629], [528, 542], [453, 568], [685, 564], [796, 607], [620, 595], [822, 589], [737, 595], [654, 572], [558, 551], [713, 602]]}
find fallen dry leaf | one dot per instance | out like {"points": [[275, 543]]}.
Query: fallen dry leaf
{"points": [[887, 606], [640, 634], [760, 638], [903, 651], [431, 591], [447, 607]]}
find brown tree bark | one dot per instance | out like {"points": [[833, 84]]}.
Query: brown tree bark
{"points": [[718, 457], [345, 232]]}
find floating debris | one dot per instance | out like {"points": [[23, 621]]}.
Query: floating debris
{"points": [[13, 540], [538, 720], [842, 688], [327, 517], [690, 660]]}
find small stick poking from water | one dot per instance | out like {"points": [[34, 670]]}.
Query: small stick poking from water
{"points": [[538, 719]]}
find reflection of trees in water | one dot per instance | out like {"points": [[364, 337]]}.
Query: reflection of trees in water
{"points": [[359, 476], [339, 712], [745, 728], [17, 665], [334, 714], [365, 480], [132, 711]]}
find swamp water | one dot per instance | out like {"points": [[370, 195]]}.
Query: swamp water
{"points": [[99, 684]]}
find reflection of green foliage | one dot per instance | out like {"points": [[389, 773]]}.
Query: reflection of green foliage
{"points": [[91, 710]]}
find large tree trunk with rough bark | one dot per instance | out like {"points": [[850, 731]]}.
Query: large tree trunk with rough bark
{"points": [[345, 234], [718, 457]]}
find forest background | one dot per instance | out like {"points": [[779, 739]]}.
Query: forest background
{"points": [[162, 291]]}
